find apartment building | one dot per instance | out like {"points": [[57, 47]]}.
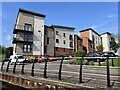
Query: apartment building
{"points": [[29, 33], [91, 39], [106, 39], [77, 43], [64, 40], [32, 37]]}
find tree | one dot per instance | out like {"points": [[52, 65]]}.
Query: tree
{"points": [[8, 52], [99, 48], [114, 45]]}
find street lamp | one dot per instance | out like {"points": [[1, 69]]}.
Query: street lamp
{"points": [[41, 42]]}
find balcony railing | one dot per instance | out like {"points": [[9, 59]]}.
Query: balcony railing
{"points": [[16, 39], [22, 28]]}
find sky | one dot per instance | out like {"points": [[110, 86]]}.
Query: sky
{"points": [[101, 16]]}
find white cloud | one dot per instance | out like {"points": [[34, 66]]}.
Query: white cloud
{"points": [[8, 37], [112, 15]]}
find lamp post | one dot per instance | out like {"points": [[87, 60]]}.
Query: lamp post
{"points": [[41, 42]]}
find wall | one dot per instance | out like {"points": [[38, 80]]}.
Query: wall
{"points": [[50, 47], [38, 37], [106, 42]]}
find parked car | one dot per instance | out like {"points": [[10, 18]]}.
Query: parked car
{"points": [[51, 58], [92, 55], [110, 54], [19, 59], [42, 58]]}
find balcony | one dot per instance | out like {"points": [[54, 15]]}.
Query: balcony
{"points": [[15, 40], [23, 28]]}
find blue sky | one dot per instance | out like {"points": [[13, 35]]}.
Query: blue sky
{"points": [[101, 16]]}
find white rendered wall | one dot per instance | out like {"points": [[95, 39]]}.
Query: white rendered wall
{"points": [[61, 38], [38, 36], [106, 42]]}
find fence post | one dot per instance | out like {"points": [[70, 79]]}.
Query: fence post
{"points": [[112, 62], [99, 62], [60, 69], [32, 71], [45, 68], [108, 72], [22, 71], [15, 66], [80, 73], [7, 69], [2, 65]]}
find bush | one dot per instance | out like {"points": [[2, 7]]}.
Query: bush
{"points": [[85, 62], [79, 53], [31, 59], [91, 63]]}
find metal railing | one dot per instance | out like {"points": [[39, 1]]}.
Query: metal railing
{"points": [[60, 66]]}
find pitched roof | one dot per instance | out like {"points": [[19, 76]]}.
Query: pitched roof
{"points": [[106, 33]]}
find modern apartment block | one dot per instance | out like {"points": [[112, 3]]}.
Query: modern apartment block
{"points": [[32, 37], [64, 40], [91, 39], [77, 43], [106, 39]]}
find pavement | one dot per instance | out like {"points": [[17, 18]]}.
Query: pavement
{"points": [[92, 76]]}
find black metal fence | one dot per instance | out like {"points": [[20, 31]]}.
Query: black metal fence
{"points": [[60, 67]]}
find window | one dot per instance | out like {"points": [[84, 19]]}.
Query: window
{"points": [[57, 49], [27, 27], [64, 50], [71, 44], [63, 34], [57, 33], [26, 48], [28, 37], [64, 42], [71, 37], [48, 40], [57, 40]]}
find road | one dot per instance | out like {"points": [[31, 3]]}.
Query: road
{"points": [[93, 76]]}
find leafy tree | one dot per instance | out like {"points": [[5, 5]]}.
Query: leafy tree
{"points": [[8, 52], [99, 48], [114, 45]]}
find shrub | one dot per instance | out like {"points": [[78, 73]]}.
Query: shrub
{"points": [[31, 59], [85, 62], [91, 63], [79, 53]]}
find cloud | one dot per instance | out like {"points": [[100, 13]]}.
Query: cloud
{"points": [[112, 15], [8, 37]]}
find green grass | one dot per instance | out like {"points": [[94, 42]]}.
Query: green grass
{"points": [[116, 63]]}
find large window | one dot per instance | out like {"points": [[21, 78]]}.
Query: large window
{"points": [[71, 44], [57, 33], [26, 48], [28, 37], [64, 42], [28, 27]]}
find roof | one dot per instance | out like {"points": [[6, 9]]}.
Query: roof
{"points": [[58, 26], [78, 36], [31, 12], [90, 29], [106, 33]]}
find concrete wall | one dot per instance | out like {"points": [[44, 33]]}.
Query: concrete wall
{"points": [[61, 38], [106, 42], [51, 45], [38, 36]]}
